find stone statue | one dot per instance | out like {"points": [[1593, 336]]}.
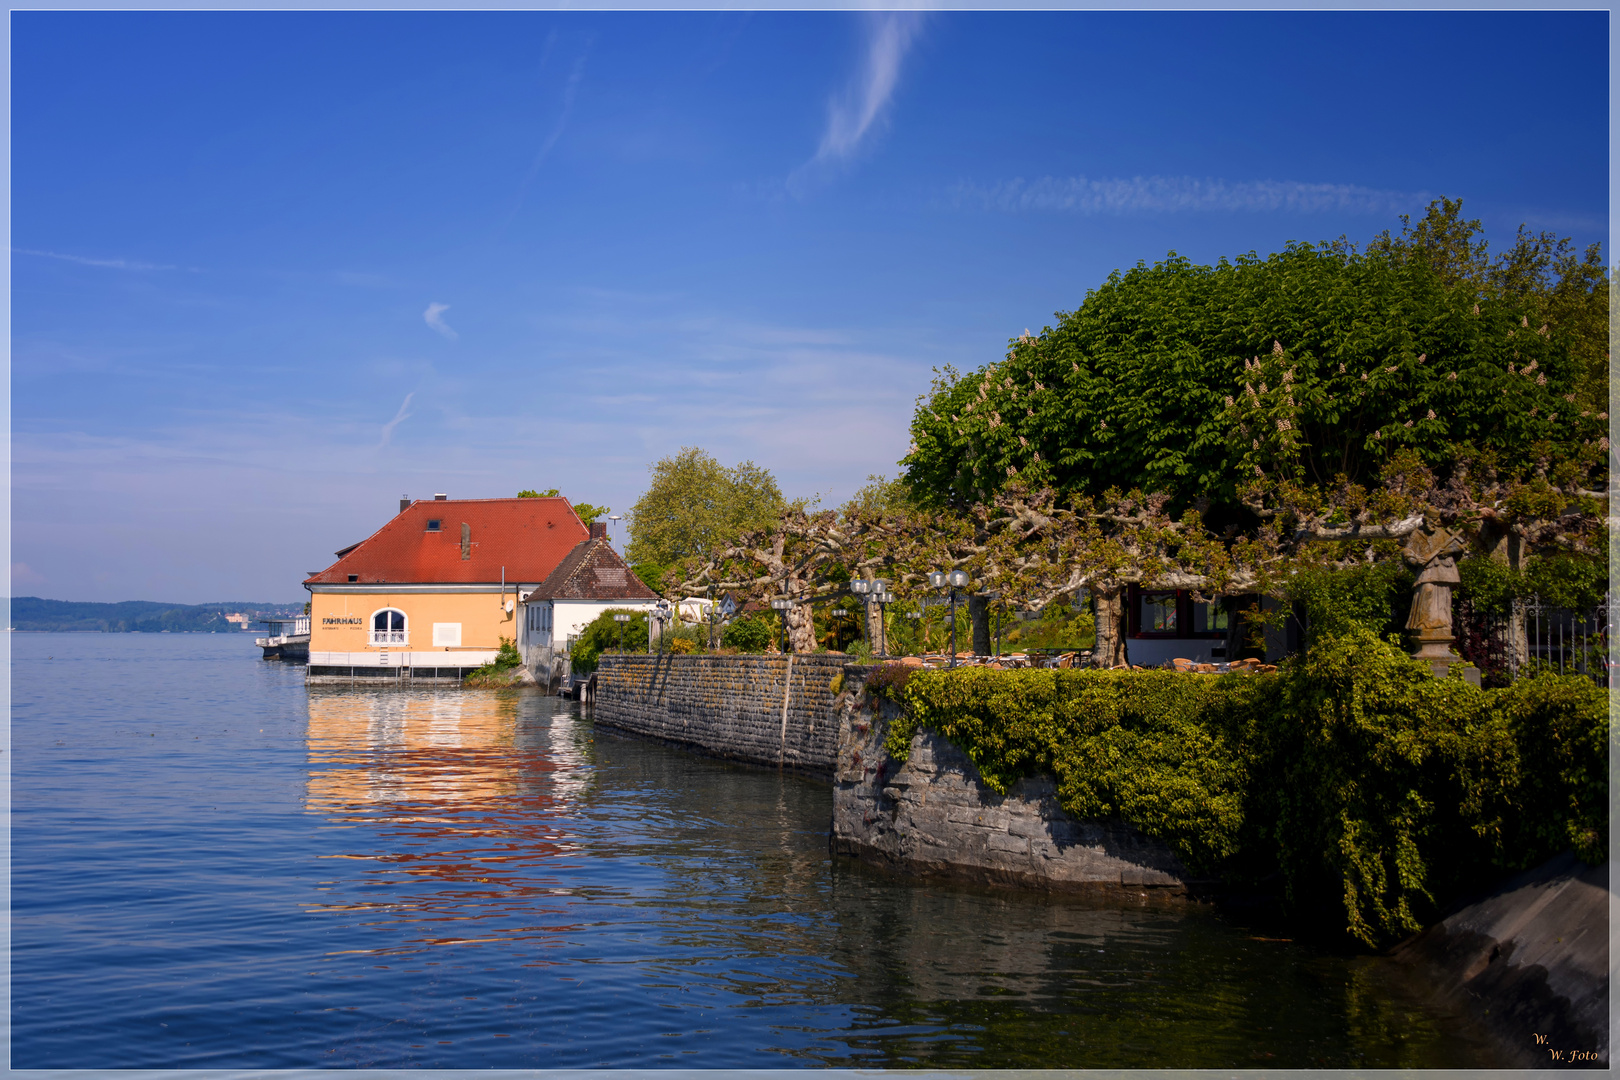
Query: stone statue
{"points": [[1431, 550]]}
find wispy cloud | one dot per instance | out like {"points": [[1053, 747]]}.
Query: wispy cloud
{"points": [[109, 264], [860, 108], [434, 317], [1178, 194], [576, 75], [851, 114], [400, 417]]}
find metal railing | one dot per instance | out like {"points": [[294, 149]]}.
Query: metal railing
{"points": [[1557, 639], [390, 637], [1536, 637]]}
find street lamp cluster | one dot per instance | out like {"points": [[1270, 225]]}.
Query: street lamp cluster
{"points": [[954, 580], [876, 590]]}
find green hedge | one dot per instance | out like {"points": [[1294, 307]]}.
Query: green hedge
{"points": [[1374, 789]]}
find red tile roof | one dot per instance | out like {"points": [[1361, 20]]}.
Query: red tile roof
{"points": [[529, 537]]}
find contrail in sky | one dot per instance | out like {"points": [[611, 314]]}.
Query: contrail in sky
{"points": [[399, 418]]}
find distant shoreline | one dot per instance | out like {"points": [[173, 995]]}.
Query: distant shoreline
{"points": [[33, 614]]}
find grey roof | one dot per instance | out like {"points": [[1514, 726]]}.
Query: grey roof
{"points": [[592, 571]]}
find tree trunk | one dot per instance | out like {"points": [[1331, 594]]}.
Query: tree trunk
{"points": [[801, 629], [1110, 650], [979, 613], [874, 626]]}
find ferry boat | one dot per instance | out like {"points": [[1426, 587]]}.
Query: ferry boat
{"points": [[288, 639]]}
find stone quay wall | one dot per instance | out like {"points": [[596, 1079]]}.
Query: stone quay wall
{"points": [[768, 710], [934, 814]]}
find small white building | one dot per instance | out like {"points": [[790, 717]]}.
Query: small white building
{"points": [[694, 609], [591, 579]]}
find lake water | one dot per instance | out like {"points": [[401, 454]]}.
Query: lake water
{"points": [[215, 866]]}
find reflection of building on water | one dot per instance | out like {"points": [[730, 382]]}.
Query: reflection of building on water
{"points": [[488, 772]]}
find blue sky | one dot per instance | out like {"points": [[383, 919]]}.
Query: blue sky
{"points": [[271, 271]]}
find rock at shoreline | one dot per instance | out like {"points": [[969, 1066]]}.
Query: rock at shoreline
{"points": [[1530, 960]]}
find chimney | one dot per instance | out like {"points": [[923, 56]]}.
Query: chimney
{"points": [[404, 503], [599, 530], [440, 497]]}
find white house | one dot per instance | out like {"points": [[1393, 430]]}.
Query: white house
{"points": [[591, 579]]}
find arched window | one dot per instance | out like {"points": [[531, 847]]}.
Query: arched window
{"points": [[388, 627]]}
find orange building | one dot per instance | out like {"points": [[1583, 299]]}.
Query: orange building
{"points": [[431, 593]]}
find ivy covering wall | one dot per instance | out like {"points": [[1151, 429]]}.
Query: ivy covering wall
{"points": [[1377, 792]]}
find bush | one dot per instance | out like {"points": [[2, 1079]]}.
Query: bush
{"points": [[749, 633], [1375, 596], [506, 658], [1572, 582], [601, 635], [1373, 788]]}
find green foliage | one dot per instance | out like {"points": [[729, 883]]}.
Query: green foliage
{"points": [[506, 658], [860, 651], [881, 495], [1564, 580], [1490, 585], [749, 633], [1169, 377], [695, 506], [1150, 747], [1375, 789], [1562, 796], [1058, 627], [588, 512], [601, 635], [1569, 581], [651, 575], [1373, 596], [530, 493]]}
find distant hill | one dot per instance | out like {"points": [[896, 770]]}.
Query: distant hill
{"points": [[142, 616]]}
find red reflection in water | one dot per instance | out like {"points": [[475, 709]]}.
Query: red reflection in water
{"points": [[465, 790]]}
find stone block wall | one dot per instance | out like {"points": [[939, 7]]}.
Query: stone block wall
{"points": [[934, 814], [768, 710]]}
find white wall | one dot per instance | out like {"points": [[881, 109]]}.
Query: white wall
{"points": [[568, 617], [572, 616]]}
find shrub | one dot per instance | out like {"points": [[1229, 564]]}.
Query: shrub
{"points": [[1573, 582], [1375, 596], [506, 658], [1372, 787], [749, 634], [601, 635]]}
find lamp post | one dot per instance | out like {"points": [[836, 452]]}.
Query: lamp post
{"points": [[662, 611], [782, 603], [621, 618], [883, 598], [954, 580], [709, 594], [837, 613], [862, 588]]}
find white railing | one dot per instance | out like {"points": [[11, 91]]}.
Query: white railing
{"points": [[390, 637]]}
